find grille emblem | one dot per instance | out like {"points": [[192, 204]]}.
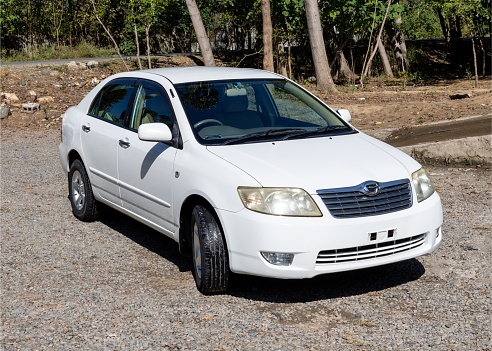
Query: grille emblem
{"points": [[371, 188]]}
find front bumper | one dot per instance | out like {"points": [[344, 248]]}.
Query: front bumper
{"points": [[357, 242]]}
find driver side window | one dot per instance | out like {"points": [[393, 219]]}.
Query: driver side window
{"points": [[151, 106]]}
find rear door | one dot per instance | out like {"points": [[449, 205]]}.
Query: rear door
{"points": [[146, 169], [101, 129]]}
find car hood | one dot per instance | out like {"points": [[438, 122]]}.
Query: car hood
{"points": [[318, 163]]}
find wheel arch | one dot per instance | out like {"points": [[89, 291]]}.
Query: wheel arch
{"points": [[72, 156], [185, 218]]}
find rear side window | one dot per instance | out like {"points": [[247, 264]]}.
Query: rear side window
{"points": [[113, 100]]}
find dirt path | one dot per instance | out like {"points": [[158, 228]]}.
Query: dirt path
{"points": [[441, 131]]}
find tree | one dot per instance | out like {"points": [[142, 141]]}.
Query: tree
{"points": [[365, 67], [109, 34], [385, 60], [57, 12], [324, 81], [201, 34], [267, 36], [475, 15], [135, 31], [398, 44]]}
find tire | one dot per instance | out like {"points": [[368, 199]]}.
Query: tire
{"points": [[210, 261], [84, 205]]}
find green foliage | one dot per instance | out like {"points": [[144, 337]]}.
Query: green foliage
{"points": [[420, 20], [30, 28], [127, 47]]}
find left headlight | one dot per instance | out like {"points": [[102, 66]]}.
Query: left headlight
{"points": [[279, 201], [422, 184]]}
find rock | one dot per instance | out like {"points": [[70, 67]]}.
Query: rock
{"points": [[459, 96], [31, 96], [10, 97], [54, 73], [46, 99], [76, 66], [92, 64], [72, 65], [4, 112]]}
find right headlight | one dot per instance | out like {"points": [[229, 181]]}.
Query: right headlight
{"points": [[279, 201], [422, 184]]}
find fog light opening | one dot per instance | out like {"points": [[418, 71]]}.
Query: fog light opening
{"points": [[278, 258], [438, 232]]}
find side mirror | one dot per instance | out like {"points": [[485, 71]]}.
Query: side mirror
{"points": [[155, 132], [345, 114]]}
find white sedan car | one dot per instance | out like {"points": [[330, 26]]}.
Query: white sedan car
{"points": [[248, 171]]}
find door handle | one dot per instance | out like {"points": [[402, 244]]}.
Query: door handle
{"points": [[124, 143], [86, 128]]}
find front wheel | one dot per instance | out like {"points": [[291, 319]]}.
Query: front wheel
{"points": [[84, 205], [210, 261]]}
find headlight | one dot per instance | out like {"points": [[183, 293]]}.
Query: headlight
{"points": [[279, 201], [423, 185]]}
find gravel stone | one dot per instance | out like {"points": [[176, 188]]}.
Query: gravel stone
{"points": [[118, 285]]}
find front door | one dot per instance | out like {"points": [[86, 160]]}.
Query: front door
{"points": [[146, 169]]}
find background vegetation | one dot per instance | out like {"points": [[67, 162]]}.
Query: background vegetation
{"points": [[44, 29]]}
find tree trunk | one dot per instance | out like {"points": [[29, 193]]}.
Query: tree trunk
{"points": [[366, 70], [324, 81], [282, 62], [482, 48], [267, 36], [339, 63], [472, 33], [384, 59], [147, 39], [289, 55], [398, 45], [137, 45], [201, 34], [445, 27], [451, 29]]}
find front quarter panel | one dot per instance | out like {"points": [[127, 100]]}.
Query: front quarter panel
{"points": [[200, 172]]}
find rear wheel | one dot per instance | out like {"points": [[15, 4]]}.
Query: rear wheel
{"points": [[84, 205], [210, 261]]}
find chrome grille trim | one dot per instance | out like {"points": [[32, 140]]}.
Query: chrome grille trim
{"points": [[365, 252], [351, 202]]}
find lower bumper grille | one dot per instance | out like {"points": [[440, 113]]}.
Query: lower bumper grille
{"points": [[367, 252]]}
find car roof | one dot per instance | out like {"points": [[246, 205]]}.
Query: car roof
{"points": [[179, 75]]}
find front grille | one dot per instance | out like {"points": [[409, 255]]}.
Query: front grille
{"points": [[367, 252], [352, 202]]}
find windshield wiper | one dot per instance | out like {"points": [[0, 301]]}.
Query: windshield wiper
{"points": [[260, 135], [317, 131]]}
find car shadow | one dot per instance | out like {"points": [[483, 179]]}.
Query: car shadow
{"points": [[327, 286], [323, 287], [146, 237]]}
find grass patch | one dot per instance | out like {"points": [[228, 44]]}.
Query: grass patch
{"points": [[53, 52]]}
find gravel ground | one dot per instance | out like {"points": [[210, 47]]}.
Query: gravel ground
{"points": [[116, 285]]}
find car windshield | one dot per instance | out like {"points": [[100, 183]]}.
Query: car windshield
{"points": [[246, 111]]}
